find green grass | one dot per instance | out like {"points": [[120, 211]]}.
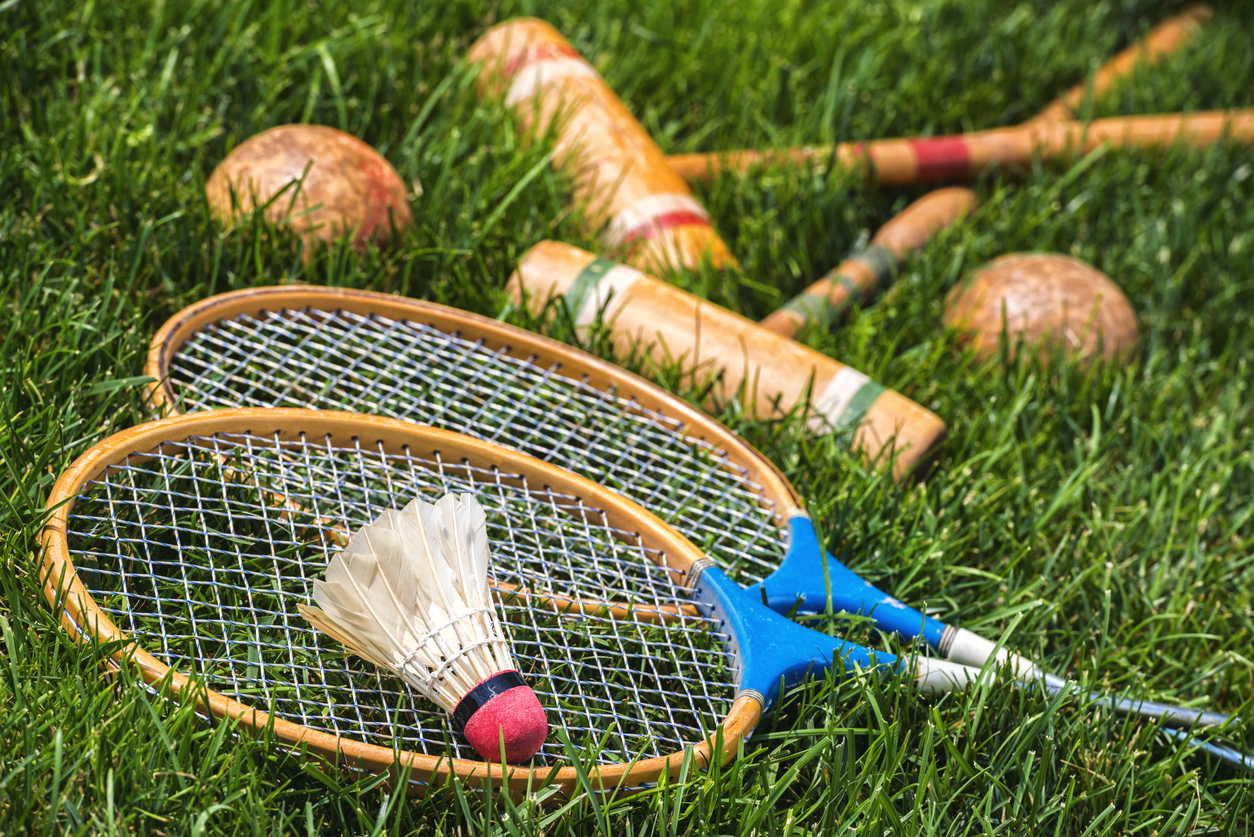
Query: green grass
{"points": [[1099, 519]]}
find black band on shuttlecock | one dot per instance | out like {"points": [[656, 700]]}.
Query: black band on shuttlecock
{"points": [[474, 700]]}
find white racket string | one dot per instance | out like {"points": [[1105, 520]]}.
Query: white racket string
{"points": [[371, 364], [202, 550]]}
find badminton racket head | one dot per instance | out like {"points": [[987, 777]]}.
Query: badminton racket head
{"points": [[193, 539], [386, 355], [326, 348]]}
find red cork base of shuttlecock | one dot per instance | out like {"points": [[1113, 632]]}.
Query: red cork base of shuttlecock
{"points": [[503, 707]]}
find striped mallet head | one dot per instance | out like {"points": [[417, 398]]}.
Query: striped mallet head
{"points": [[642, 210]]}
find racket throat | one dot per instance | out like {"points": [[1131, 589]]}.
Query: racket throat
{"points": [[808, 572], [767, 652]]}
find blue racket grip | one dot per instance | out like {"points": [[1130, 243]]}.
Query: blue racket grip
{"points": [[798, 583]]}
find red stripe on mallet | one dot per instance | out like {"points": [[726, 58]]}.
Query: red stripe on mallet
{"points": [[941, 158], [663, 222], [540, 53]]}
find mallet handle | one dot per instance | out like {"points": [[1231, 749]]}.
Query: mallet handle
{"points": [[1163, 40], [901, 162], [826, 300]]}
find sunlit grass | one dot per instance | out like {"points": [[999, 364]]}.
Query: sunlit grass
{"points": [[1099, 519]]}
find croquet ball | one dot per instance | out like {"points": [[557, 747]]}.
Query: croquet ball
{"points": [[335, 184], [1047, 298]]}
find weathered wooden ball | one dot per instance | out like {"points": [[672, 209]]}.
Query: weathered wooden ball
{"points": [[1049, 299], [347, 186]]}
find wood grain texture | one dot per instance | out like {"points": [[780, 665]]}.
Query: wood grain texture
{"points": [[641, 208], [1048, 299], [859, 276], [901, 162], [772, 373], [84, 619], [328, 184]]}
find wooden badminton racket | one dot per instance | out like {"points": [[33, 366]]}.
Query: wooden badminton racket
{"points": [[337, 349], [192, 541]]}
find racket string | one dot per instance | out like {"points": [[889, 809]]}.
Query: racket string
{"points": [[202, 551], [371, 364]]}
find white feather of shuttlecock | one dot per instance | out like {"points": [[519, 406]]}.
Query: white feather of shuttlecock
{"points": [[410, 594]]}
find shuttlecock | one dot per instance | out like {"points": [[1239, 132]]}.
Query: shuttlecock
{"points": [[410, 594]]}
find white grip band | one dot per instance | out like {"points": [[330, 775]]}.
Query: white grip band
{"points": [[974, 650], [642, 214], [937, 677], [611, 290], [534, 76], [835, 398]]}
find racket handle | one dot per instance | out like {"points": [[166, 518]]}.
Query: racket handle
{"points": [[1178, 721], [940, 677], [620, 176], [742, 360], [825, 301], [1232, 756], [1173, 716], [962, 646]]}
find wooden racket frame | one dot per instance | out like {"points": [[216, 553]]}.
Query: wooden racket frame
{"points": [[494, 335], [83, 618]]}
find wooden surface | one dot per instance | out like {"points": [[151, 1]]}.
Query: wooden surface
{"points": [[644, 212], [81, 615], [863, 273], [774, 373], [900, 162], [347, 186], [1048, 299]]}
